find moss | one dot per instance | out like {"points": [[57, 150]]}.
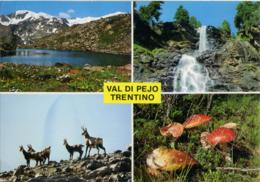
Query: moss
{"points": [[158, 51], [141, 50]]}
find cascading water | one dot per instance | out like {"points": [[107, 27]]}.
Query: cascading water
{"points": [[190, 76], [203, 46]]}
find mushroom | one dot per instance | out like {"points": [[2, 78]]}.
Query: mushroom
{"points": [[220, 136], [165, 159], [196, 120], [174, 129]]}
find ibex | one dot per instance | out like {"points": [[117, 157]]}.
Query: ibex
{"points": [[74, 148], [45, 153], [28, 156], [92, 142]]}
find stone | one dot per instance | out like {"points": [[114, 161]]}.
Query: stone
{"points": [[113, 167], [126, 153], [19, 170], [94, 165]]}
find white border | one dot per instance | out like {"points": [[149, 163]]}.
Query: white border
{"points": [[132, 63]]}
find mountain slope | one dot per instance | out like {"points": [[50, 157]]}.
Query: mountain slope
{"points": [[113, 167], [110, 35], [29, 25]]}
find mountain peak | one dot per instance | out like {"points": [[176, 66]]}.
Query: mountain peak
{"points": [[32, 14], [23, 15]]}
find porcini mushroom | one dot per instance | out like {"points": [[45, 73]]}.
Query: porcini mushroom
{"points": [[174, 129], [165, 159], [196, 120]]}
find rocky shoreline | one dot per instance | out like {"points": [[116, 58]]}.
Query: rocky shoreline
{"points": [[113, 167]]}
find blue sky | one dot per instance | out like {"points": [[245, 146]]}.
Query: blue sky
{"points": [[72, 9], [208, 13], [46, 119]]}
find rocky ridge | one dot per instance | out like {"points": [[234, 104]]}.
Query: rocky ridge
{"points": [[113, 167], [109, 35], [29, 25]]}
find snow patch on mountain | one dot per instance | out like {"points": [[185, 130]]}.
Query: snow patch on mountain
{"points": [[23, 15], [76, 21]]}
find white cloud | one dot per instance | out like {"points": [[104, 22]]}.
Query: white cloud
{"points": [[70, 11], [64, 15]]}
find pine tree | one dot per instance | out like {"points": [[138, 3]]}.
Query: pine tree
{"points": [[182, 15]]}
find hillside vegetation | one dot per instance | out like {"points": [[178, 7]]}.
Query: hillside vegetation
{"points": [[109, 35]]}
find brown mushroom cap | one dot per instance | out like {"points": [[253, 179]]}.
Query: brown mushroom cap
{"points": [[220, 136], [174, 129], [196, 120], [166, 159]]}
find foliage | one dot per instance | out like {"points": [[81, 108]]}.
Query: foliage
{"points": [[241, 109], [225, 28], [157, 51], [151, 13], [194, 22], [182, 15], [247, 16], [138, 49], [51, 78]]}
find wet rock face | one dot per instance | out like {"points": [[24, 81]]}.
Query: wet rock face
{"points": [[158, 68], [8, 41], [215, 38], [255, 32], [234, 67], [113, 167]]}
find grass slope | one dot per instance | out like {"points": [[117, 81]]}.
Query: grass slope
{"points": [[53, 78]]}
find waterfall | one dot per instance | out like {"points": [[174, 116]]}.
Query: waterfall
{"points": [[203, 46], [190, 76]]}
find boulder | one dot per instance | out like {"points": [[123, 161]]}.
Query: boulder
{"points": [[8, 41]]}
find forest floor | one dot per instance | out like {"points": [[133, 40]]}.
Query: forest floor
{"points": [[240, 109]]}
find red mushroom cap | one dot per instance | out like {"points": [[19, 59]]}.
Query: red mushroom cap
{"points": [[196, 120], [220, 136], [174, 129]]}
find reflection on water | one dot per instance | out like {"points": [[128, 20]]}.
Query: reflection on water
{"points": [[50, 57]]}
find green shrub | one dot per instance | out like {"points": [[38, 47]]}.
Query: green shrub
{"points": [[141, 50]]}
